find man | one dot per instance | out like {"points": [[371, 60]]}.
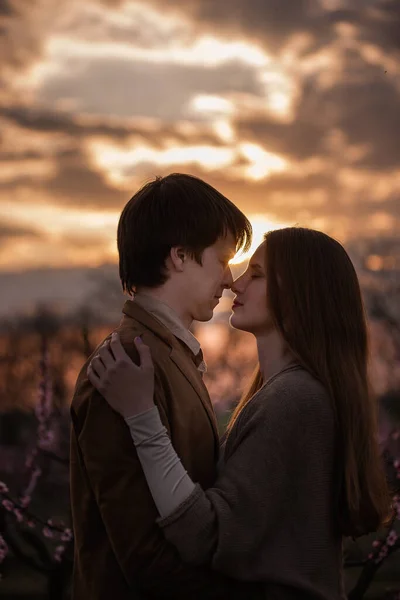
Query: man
{"points": [[176, 237]]}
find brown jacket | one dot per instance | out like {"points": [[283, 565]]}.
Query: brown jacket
{"points": [[119, 548]]}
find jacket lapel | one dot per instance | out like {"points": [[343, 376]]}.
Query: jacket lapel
{"points": [[192, 374], [177, 354]]}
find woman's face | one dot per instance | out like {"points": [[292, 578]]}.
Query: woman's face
{"points": [[250, 312]]}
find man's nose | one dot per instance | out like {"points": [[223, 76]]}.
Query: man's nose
{"points": [[228, 279]]}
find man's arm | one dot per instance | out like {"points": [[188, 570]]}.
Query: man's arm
{"points": [[129, 514]]}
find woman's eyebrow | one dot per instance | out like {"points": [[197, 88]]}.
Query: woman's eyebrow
{"points": [[255, 266]]}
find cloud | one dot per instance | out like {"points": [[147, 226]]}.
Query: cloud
{"points": [[24, 26], [75, 182], [378, 23], [301, 137], [361, 104], [72, 182], [142, 89], [6, 9], [98, 96], [79, 127], [10, 230], [367, 111], [273, 22], [276, 22]]}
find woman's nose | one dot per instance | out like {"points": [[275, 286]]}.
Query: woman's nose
{"points": [[237, 286]]}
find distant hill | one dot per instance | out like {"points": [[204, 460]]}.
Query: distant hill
{"points": [[70, 289], [63, 289]]}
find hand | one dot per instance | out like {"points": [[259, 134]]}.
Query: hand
{"points": [[128, 388]]}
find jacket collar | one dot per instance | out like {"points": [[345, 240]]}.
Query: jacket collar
{"points": [[177, 354]]}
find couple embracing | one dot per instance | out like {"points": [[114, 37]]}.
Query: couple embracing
{"points": [[162, 508]]}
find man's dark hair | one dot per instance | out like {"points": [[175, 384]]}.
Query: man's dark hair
{"points": [[176, 210]]}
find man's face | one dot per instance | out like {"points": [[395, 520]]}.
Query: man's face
{"points": [[205, 283]]}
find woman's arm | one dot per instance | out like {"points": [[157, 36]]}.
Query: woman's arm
{"points": [[169, 483], [226, 525], [218, 525]]}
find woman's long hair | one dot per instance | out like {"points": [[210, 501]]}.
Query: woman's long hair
{"points": [[315, 301]]}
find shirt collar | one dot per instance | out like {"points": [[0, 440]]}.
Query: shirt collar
{"points": [[168, 317]]}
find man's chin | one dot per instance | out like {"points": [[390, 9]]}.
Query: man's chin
{"points": [[204, 316]]}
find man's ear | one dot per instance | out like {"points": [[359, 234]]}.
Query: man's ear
{"points": [[177, 257]]}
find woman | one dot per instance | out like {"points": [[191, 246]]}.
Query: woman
{"points": [[301, 461]]}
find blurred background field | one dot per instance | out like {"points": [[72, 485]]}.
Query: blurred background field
{"points": [[42, 352]]}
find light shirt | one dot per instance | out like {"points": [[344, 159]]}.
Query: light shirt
{"points": [[168, 317]]}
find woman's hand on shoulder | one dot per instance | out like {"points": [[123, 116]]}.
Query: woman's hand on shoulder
{"points": [[127, 387]]}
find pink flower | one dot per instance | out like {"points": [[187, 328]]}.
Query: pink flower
{"points": [[59, 551], [47, 532], [3, 488], [376, 543], [392, 538], [382, 554], [66, 536], [30, 524], [25, 501], [8, 505], [19, 515], [3, 548]]}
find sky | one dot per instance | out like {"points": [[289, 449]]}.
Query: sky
{"points": [[289, 107]]}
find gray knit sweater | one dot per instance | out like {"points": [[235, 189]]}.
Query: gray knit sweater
{"points": [[270, 515]]}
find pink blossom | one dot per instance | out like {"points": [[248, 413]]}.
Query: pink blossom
{"points": [[30, 524], [47, 532], [66, 536], [3, 488], [392, 538], [382, 554], [376, 543], [25, 501], [59, 551], [19, 515], [3, 548], [8, 505], [46, 438], [33, 481]]}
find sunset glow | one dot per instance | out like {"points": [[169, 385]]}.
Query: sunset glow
{"points": [[212, 158], [261, 225], [262, 163], [211, 104], [294, 123]]}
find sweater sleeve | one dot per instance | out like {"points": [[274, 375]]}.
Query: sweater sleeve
{"points": [[217, 526], [168, 481]]}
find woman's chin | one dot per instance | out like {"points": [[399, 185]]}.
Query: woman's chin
{"points": [[237, 323]]}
